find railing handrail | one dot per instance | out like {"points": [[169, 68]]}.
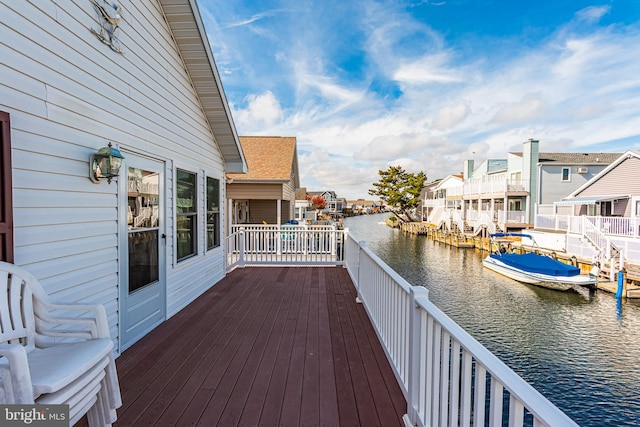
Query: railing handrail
{"points": [[551, 415], [285, 244], [418, 371]]}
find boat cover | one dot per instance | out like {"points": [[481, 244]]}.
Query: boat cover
{"points": [[534, 263]]}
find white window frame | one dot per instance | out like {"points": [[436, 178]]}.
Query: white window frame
{"points": [[197, 211], [568, 175], [635, 206]]}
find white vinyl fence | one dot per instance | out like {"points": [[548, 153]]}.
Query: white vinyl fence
{"points": [[285, 244], [443, 371]]}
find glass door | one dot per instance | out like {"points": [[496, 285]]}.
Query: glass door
{"points": [[142, 249]]}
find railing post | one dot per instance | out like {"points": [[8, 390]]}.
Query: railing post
{"points": [[241, 248], [361, 244], [416, 378], [278, 240]]}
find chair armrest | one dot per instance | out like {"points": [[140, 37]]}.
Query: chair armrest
{"points": [[95, 324], [15, 374]]}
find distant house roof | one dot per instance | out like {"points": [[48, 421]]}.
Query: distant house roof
{"points": [[188, 31], [301, 193], [576, 158], [269, 158], [331, 194]]}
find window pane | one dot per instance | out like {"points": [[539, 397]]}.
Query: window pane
{"points": [[213, 195], [143, 199], [186, 192], [186, 230], [143, 259], [213, 234], [213, 213], [186, 218]]}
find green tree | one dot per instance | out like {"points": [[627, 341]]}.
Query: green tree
{"points": [[399, 190]]}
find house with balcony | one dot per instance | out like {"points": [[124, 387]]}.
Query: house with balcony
{"points": [[503, 194], [601, 218], [267, 192], [441, 199]]}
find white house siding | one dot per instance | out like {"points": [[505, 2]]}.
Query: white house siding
{"points": [[69, 94]]}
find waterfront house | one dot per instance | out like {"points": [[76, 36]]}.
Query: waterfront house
{"points": [[602, 216], [267, 192], [150, 241], [427, 193], [503, 194], [334, 203], [613, 192], [443, 198], [361, 206]]}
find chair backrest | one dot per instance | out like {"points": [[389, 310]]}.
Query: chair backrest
{"points": [[17, 320]]}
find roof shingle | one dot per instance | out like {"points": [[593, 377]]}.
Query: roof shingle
{"points": [[268, 157], [576, 158]]}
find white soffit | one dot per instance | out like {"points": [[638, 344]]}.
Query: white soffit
{"points": [[183, 17]]}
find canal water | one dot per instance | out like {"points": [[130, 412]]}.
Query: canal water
{"points": [[581, 350]]}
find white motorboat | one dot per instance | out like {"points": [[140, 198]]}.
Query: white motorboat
{"points": [[535, 269]]}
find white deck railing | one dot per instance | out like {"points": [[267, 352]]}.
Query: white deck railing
{"points": [[443, 371], [492, 184], [597, 230], [255, 244], [611, 226], [434, 203], [512, 217]]}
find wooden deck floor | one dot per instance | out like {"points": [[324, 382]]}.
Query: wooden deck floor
{"points": [[270, 346]]}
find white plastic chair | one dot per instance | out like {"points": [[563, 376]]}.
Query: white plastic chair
{"points": [[55, 353]]}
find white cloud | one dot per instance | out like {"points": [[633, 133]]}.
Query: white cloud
{"points": [[570, 91], [262, 110], [450, 116], [528, 109], [592, 14], [430, 69]]}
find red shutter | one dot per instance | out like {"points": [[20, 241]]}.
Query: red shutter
{"points": [[6, 206]]}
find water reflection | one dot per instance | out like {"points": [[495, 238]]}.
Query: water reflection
{"points": [[580, 349]]}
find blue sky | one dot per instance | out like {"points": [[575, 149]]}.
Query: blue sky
{"points": [[427, 84]]}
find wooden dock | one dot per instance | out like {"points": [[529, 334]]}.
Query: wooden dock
{"points": [[462, 240], [630, 291]]}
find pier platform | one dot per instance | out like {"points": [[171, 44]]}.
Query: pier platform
{"points": [[465, 240]]}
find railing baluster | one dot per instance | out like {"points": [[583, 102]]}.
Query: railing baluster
{"points": [[495, 403], [465, 386], [479, 395], [454, 388], [445, 365], [516, 412]]}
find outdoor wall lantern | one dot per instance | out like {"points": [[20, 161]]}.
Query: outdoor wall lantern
{"points": [[105, 163]]}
